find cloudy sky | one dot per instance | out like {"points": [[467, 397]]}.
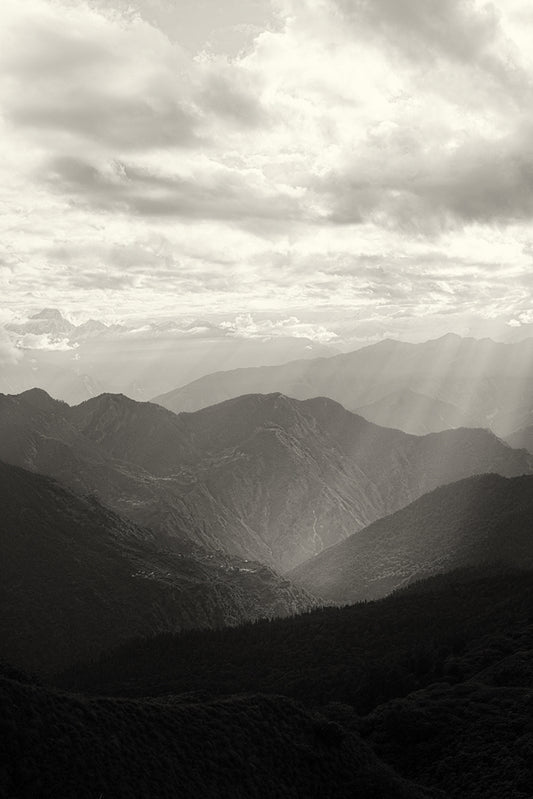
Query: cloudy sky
{"points": [[364, 167]]}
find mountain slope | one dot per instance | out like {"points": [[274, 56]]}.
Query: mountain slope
{"points": [[264, 478], [36, 433], [483, 379], [485, 519], [77, 579]]}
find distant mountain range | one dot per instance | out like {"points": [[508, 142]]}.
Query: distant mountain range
{"points": [[52, 324], [77, 361], [416, 413], [419, 388], [265, 478], [479, 521], [77, 579]]}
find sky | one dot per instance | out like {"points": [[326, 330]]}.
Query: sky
{"points": [[357, 168]]}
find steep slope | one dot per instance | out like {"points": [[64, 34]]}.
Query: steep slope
{"points": [[485, 519], [483, 379], [77, 579], [265, 478], [141, 433], [264, 747], [36, 433]]}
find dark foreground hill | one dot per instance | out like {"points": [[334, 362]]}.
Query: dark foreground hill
{"points": [[77, 579], [437, 678], [265, 478], [71, 747], [470, 740], [481, 520]]}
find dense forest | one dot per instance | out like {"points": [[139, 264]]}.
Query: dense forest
{"points": [[436, 679], [56, 745], [449, 627]]}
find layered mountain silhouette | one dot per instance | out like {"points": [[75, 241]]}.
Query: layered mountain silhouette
{"points": [[481, 520], [455, 381], [265, 478], [77, 361], [77, 579], [262, 477]]}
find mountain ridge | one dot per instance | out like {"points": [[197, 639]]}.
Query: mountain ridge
{"points": [[487, 381], [262, 477]]}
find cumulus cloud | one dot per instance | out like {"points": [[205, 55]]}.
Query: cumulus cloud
{"points": [[34, 341], [365, 154], [245, 326], [427, 29], [93, 76], [114, 80]]}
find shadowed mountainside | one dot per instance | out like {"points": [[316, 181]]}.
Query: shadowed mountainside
{"points": [[77, 579]]}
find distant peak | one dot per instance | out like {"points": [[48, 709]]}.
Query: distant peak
{"points": [[450, 336], [49, 313], [92, 324]]}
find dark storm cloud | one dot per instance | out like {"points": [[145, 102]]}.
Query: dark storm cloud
{"points": [[481, 181], [224, 195]]}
